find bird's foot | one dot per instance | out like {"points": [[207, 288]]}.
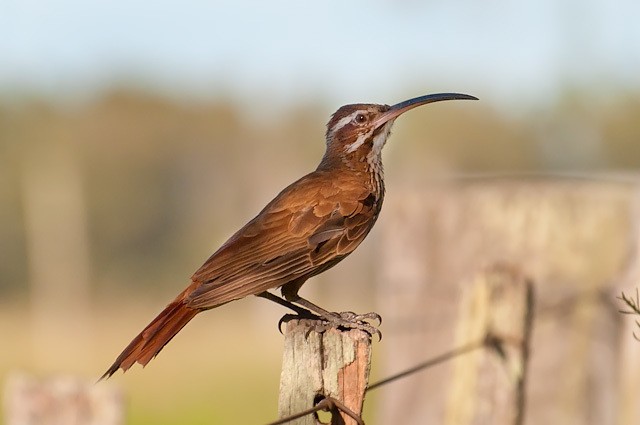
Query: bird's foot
{"points": [[344, 320], [351, 320], [364, 317]]}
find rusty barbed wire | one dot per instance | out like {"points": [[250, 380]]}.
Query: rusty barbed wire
{"points": [[433, 362], [333, 405], [329, 404]]}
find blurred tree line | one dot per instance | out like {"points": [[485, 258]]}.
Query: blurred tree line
{"points": [[163, 181]]}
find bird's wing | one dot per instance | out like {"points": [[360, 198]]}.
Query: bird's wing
{"points": [[306, 229]]}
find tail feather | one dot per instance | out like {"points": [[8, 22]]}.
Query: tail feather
{"points": [[155, 336]]}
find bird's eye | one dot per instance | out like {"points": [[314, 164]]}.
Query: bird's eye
{"points": [[361, 118]]}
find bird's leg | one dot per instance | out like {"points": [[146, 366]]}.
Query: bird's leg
{"points": [[302, 312], [347, 320], [344, 315]]}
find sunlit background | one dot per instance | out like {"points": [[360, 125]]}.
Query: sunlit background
{"points": [[136, 136]]}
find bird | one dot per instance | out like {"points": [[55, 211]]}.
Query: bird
{"points": [[309, 227]]}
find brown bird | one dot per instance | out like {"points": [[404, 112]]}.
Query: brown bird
{"points": [[308, 228]]}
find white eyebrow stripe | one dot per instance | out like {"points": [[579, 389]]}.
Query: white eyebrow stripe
{"points": [[344, 121]]}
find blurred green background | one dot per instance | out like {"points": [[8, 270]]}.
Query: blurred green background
{"points": [[136, 137]]}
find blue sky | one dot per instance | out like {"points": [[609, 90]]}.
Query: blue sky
{"points": [[339, 51]]}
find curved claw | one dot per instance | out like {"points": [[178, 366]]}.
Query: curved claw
{"points": [[372, 316], [350, 320], [365, 327], [283, 319], [303, 315], [371, 330]]}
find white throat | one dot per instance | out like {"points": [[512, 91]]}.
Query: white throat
{"points": [[374, 158], [380, 139]]}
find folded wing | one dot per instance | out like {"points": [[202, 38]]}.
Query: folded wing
{"points": [[308, 228]]}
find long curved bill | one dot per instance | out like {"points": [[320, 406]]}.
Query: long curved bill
{"points": [[402, 107]]}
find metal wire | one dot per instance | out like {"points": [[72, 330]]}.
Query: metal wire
{"points": [[333, 405]]}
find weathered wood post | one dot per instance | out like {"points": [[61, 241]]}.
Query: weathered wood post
{"points": [[317, 364], [578, 240], [489, 385], [61, 400]]}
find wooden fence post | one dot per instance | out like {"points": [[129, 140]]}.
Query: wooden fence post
{"points": [[61, 400], [333, 363], [489, 385]]}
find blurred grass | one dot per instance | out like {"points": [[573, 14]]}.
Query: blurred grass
{"points": [[223, 368]]}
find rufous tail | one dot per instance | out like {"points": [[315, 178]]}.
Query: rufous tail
{"points": [[155, 336]]}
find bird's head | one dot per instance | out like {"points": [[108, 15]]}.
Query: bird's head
{"points": [[357, 133]]}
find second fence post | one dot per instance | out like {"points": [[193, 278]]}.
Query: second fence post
{"points": [[488, 386]]}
